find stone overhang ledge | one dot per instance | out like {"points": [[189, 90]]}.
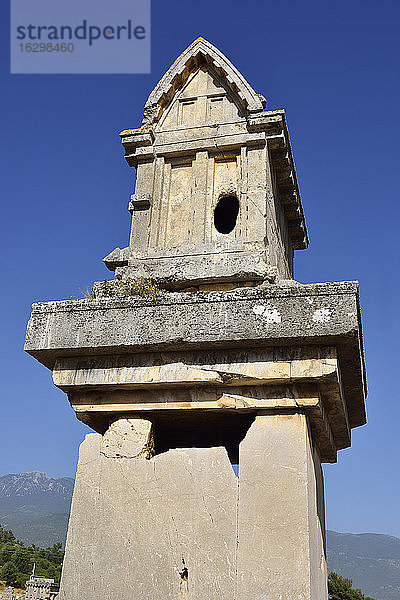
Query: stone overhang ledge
{"points": [[284, 315]]}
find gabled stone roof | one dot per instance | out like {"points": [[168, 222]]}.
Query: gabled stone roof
{"points": [[198, 52]]}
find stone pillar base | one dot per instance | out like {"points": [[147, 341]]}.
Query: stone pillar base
{"points": [[150, 529], [281, 550], [181, 525]]}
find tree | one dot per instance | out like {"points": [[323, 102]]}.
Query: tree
{"points": [[341, 588], [6, 552], [54, 554], [22, 560], [6, 535], [9, 573], [16, 560]]}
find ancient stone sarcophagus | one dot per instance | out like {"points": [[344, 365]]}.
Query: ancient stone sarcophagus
{"points": [[204, 352]]}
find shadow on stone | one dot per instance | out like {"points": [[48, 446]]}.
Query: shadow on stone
{"points": [[197, 429]]}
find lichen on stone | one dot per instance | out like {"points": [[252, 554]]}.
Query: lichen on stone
{"points": [[140, 286]]}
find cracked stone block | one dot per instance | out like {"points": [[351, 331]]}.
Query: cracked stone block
{"points": [[146, 529], [128, 438], [84, 537], [281, 528], [216, 219]]}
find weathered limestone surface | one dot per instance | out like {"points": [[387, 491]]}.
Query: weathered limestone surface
{"points": [[232, 367], [128, 438], [178, 320], [206, 136], [200, 532], [85, 529], [281, 533], [315, 311], [240, 380], [158, 517], [173, 270], [231, 353], [284, 315]]}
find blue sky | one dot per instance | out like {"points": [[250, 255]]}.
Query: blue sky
{"points": [[65, 188]]}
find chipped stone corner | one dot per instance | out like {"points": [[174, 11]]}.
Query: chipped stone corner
{"points": [[233, 359], [128, 438]]}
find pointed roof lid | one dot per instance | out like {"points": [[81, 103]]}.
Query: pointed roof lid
{"points": [[199, 51]]}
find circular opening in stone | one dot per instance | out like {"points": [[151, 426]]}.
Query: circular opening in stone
{"points": [[226, 213]]}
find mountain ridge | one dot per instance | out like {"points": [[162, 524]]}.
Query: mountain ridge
{"points": [[371, 560], [31, 482], [36, 508]]}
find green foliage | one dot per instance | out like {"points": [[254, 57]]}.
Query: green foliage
{"points": [[9, 573], [6, 535], [16, 560], [6, 552], [342, 589], [88, 294], [22, 560]]}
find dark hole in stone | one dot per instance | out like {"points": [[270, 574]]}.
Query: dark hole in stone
{"points": [[225, 214], [184, 573], [197, 429]]}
